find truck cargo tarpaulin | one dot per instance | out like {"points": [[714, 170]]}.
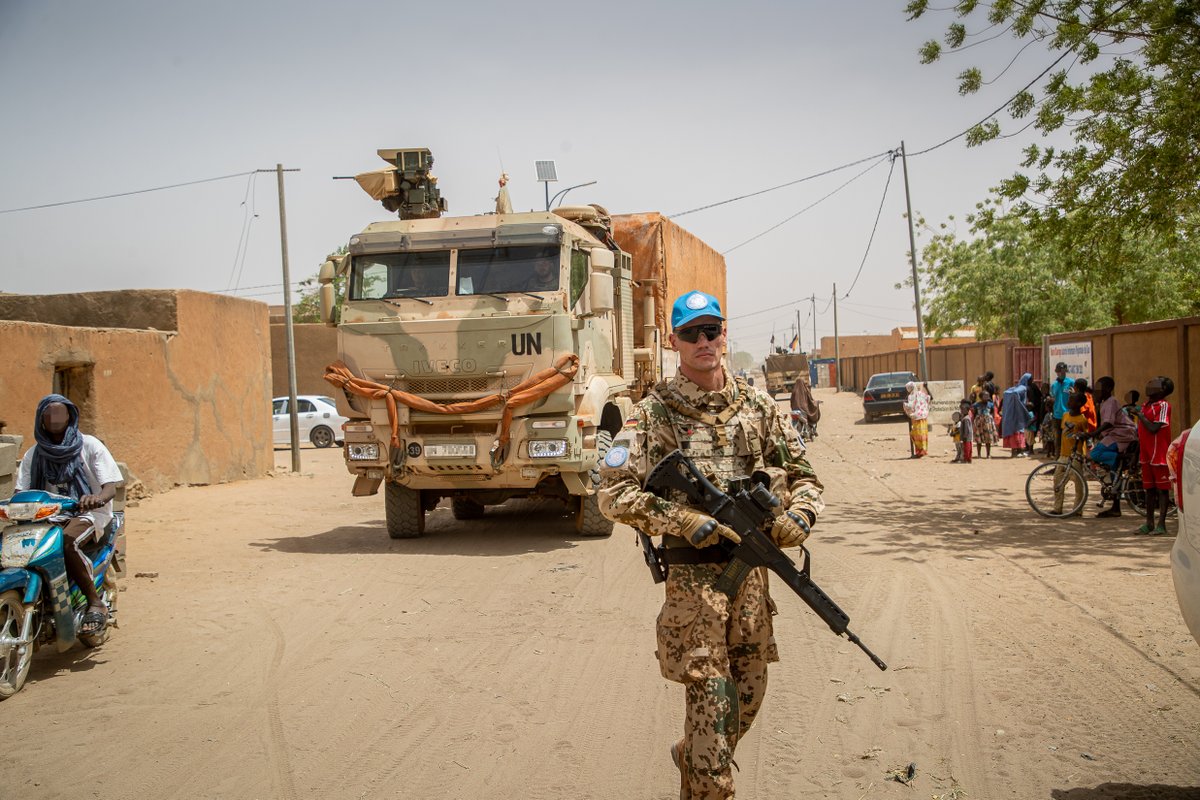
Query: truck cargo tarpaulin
{"points": [[668, 261]]}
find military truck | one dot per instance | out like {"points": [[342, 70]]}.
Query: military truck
{"points": [[490, 357], [782, 370]]}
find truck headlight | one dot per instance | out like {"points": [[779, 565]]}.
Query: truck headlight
{"points": [[363, 452], [546, 448]]}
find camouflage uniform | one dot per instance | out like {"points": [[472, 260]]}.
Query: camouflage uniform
{"points": [[716, 647]]}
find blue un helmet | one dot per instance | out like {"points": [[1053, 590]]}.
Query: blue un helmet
{"points": [[693, 305]]}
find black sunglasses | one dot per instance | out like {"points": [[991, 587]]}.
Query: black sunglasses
{"points": [[691, 335]]}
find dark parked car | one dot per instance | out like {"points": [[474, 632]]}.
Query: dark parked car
{"points": [[885, 394]]}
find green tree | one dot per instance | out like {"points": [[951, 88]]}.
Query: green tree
{"points": [[1006, 281], [308, 307], [1133, 115]]}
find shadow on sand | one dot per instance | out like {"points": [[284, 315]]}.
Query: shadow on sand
{"points": [[1128, 791], [513, 528]]}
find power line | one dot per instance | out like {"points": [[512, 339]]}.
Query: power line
{"points": [[780, 186], [126, 194], [772, 308], [243, 238], [1039, 76], [874, 227], [806, 208]]}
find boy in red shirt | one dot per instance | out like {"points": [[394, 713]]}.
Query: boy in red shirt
{"points": [[1154, 437]]}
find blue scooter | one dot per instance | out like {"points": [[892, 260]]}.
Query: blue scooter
{"points": [[39, 604]]}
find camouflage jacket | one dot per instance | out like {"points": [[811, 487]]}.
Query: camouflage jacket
{"points": [[727, 433]]}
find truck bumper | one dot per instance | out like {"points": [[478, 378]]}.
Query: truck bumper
{"points": [[440, 461]]}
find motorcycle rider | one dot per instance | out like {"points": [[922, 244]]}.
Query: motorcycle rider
{"points": [[803, 401], [67, 462]]}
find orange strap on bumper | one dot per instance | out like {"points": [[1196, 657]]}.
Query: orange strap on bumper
{"points": [[535, 387]]}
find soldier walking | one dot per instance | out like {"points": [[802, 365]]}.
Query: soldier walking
{"points": [[717, 646]]}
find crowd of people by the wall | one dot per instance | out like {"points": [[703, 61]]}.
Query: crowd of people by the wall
{"points": [[1065, 417]]}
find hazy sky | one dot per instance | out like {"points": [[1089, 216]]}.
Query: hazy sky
{"points": [[669, 106]]}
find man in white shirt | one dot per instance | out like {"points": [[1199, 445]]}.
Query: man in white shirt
{"points": [[65, 461]]}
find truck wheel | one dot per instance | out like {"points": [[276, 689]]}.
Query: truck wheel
{"points": [[588, 519], [402, 506], [466, 508]]}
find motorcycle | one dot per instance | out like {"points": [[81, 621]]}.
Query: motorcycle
{"points": [[39, 604], [804, 426]]}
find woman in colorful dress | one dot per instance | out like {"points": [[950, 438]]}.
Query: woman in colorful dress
{"points": [[917, 409]]}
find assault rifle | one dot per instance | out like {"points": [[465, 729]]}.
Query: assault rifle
{"points": [[747, 509]]}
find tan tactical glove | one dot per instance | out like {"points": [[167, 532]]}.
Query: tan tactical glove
{"points": [[702, 530], [790, 529]]}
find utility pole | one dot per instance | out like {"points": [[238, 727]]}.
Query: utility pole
{"points": [[912, 243], [290, 343], [798, 347], [814, 316], [837, 350]]}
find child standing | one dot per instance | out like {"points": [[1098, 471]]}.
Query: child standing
{"points": [[985, 423], [956, 435], [1154, 437], [1048, 431], [1074, 433], [966, 430]]}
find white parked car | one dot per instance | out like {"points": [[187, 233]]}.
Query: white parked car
{"points": [[317, 417], [1184, 461]]}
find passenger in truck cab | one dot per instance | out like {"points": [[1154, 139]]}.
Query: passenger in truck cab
{"points": [[544, 277]]}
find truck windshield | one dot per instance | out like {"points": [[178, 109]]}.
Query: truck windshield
{"points": [[385, 275], [533, 268]]}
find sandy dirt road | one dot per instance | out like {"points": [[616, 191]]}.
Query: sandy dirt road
{"points": [[287, 648]]}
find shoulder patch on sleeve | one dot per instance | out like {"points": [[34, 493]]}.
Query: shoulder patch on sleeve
{"points": [[616, 456]]}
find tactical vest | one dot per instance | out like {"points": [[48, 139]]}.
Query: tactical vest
{"points": [[723, 445]]}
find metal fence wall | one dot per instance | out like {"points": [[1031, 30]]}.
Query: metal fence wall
{"points": [[953, 362], [1133, 354]]}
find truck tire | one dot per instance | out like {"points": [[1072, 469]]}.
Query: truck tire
{"points": [[588, 519], [402, 506], [466, 508]]}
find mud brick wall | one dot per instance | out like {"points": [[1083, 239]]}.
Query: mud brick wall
{"points": [[184, 400]]}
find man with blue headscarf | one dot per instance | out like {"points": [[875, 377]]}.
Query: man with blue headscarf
{"points": [[65, 461]]}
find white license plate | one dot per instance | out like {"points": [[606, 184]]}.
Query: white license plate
{"points": [[450, 451]]}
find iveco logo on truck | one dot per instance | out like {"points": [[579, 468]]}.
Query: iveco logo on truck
{"points": [[444, 366], [526, 344]]}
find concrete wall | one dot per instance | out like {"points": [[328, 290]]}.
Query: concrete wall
{"points": [[316, 348], [187, 403], [1133, 354]]}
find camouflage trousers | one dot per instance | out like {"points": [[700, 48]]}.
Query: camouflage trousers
{"points": [[719, 650]]}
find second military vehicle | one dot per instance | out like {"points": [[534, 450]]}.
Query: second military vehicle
{"points": [[495, 356]]}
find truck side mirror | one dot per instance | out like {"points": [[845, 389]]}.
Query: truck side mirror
{"points": [[600, 287], [325, 293], [602, 259], [326, 300]]}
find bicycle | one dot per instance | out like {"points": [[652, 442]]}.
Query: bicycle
{"points": [[1045, 482]]}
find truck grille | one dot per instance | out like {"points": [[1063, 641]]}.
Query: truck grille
{"points": [[457, 385]]}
